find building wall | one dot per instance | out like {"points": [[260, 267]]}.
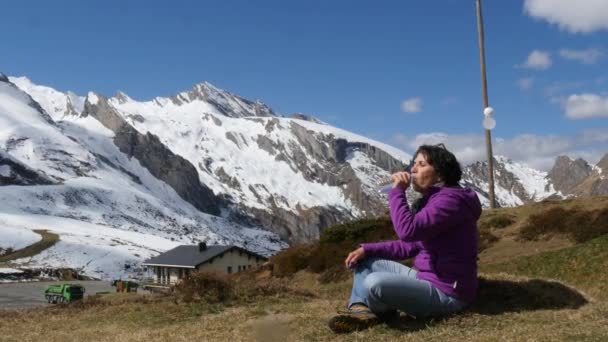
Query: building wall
{"points": [[234, 259], [176, 274], [170, 275]]}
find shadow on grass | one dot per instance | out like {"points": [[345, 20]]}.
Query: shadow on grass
{"points": [[498, 296]]}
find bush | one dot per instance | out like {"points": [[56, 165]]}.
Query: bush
{"points": [[327, 255], [207, 287], [358, 231], [292, 260], [214, 288], [576, 224], [7, 251], [486, 240], [499, 221]]}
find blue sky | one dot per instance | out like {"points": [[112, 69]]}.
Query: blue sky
{"points": [[351, 63]]}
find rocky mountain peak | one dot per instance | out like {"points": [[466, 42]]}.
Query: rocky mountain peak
{"points": [[122, 97], [307, 117], [603, 163], [3, 77], [225, 102], [567, 173]]}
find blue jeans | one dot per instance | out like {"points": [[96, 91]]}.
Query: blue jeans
{"points": [[384, 286]]}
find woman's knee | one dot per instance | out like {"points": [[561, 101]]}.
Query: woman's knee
{"points": [[365, 264], [373, 283]]}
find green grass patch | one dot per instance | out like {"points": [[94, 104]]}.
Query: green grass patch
{"points": [[496, 221], [583, 266], [577, 224], [48, 240], [486, 240]]}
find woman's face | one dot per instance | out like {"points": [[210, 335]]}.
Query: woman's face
{"points": [[424, 174]]}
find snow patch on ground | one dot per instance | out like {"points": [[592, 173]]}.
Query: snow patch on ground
{"points": [[4, 270], [16, 237], [5, 171]]}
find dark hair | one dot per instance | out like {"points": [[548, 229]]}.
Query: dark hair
{"points": [[443, 161]]}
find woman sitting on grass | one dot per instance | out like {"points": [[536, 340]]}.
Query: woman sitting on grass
{"points": [[442, 236]]}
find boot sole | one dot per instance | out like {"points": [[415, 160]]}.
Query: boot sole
{"points": [[349, 323]]}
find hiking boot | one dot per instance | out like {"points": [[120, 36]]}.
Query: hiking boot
{"points": [[357, 317]]}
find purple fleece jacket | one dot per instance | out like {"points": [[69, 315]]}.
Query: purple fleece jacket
{"points": [[442, 236]]}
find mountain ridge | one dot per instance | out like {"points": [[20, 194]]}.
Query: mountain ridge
{"points": [[229, 161]]}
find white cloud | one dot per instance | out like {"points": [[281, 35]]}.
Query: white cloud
{"points": [[539, 60], [525, 83], [412, 105], [575, 16], [586, 106], [589, 56], [537, 151]]}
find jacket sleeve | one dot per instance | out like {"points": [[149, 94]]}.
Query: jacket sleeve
{"points": [[439, 214], [392, 250]]}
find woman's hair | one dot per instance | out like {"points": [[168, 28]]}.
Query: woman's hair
{"points": [[443, 161]]}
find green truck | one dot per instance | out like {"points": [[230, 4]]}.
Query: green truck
{"points": [[64, 293]]}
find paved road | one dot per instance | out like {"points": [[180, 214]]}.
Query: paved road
{"points": [[29, 295]]}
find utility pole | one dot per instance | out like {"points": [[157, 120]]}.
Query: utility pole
{"points": [[484, 93]]}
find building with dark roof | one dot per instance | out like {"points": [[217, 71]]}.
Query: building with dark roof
{"points": [[181, 261]]}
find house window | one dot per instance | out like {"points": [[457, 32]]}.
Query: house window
{"points": [[229, 269], [239, 268]]}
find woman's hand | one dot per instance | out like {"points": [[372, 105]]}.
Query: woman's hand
{"points": [[401, 180], [354, 256]]}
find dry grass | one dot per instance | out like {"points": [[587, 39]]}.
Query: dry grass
{"points": [[509, 242], [560, 314], [582, 266], [578, 224], [549, 295]]}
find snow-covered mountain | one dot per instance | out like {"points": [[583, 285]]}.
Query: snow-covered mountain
{"points": [[202, 165], [68, 177], [516, 184], [121, 180]]}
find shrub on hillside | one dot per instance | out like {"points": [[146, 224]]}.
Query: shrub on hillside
{"points": [[207, 287], [486, 240], [292, 260], [333, 246], [215, 288], [7, 251], [498, 221], [358, 231], [577, 224]]}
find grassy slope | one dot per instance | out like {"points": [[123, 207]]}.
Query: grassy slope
{"points": [[510, 307], [48, 240], [583, 266]]}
